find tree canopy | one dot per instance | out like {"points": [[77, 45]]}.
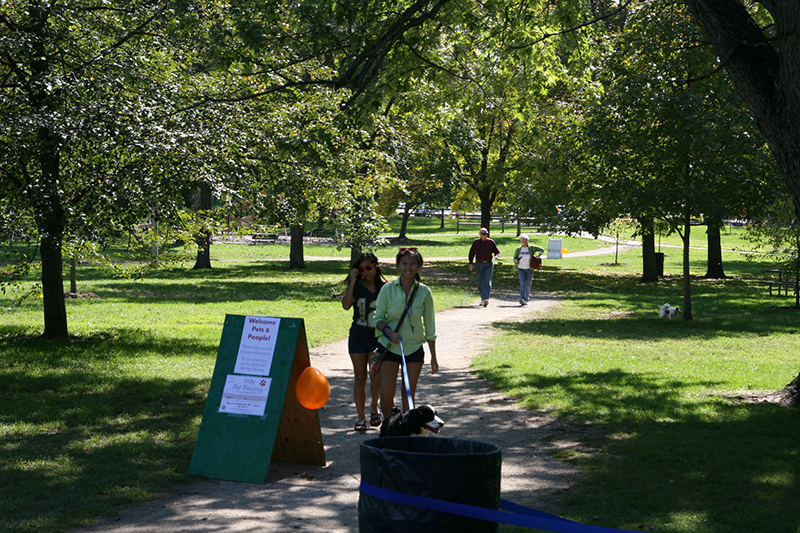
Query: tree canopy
{"points": [[117, 114]]}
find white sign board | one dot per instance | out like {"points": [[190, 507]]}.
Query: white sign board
{"points": [[554, 248], [245, 395], [257, 346]]}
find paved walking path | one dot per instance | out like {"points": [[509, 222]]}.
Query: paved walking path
{"points": [[324, 499]]}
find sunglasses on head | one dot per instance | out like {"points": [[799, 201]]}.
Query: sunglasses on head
{"points": [[407, 250], [367, 268]]}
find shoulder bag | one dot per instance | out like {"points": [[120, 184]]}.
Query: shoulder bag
{"points": [[376, 355]]}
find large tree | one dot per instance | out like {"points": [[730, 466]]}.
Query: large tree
{"points": [[87, 136], [421, 170], [110, 111], [501, 78], [758, 45], [659, 139]]}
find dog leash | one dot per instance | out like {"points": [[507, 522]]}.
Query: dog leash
{"points": [[405, 377]]}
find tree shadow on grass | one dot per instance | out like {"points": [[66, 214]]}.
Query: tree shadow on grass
{"points": [[646, 325], [232, 283], [737, 471], [665, 463], [81, 437]]}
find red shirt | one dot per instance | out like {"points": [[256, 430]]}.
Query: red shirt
{"points": [[483, 250]]}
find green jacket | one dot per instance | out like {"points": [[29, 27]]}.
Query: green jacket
{"points": [[531, 247], [419, 325]]}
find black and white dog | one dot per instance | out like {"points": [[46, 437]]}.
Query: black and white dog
{"points": [[411, 422], [667, 311]]}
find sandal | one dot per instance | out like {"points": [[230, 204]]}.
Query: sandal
{"points": [[361, 425], [375, 419]]}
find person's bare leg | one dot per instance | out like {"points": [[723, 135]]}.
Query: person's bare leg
{"points": [[359, 361], [388, 374]]}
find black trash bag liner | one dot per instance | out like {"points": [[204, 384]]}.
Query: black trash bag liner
{"points": [[454, 470]]}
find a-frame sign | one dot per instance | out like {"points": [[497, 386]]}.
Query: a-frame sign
{"points": [[252, 414]]}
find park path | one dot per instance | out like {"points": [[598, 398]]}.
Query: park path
{"points": [[324, 498]]}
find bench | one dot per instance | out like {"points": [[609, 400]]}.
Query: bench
{"points": [[475, 220], [526, 225], [786, 286], [781, 284], [265, 238]]}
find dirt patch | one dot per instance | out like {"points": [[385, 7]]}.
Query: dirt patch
{"points": [[77, 295]]}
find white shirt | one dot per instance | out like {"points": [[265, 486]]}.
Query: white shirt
{"points": [[524, 258]]}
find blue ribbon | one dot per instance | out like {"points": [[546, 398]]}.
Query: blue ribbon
{"points": [[514, 514]]}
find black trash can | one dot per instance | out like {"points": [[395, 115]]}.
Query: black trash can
{"points": [[659, 264], [453, 470]]}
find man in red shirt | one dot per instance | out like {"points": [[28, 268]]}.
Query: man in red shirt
{"points": [[482, 251]]}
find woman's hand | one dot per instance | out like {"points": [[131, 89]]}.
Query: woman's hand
{"points": [[347, 297], [394, 337], [388, 332]]}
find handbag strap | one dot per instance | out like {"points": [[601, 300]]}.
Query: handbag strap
{"points": [[405, 310]]}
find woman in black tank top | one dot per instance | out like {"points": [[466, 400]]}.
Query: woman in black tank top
{"points": [[363, 285]]}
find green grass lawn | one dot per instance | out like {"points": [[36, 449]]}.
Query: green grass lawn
{"points": [[669, 450], [110, 416]]}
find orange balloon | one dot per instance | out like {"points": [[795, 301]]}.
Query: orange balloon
{"points": [[313, 389]]}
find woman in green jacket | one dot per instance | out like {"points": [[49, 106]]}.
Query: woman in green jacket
{"points": [[523, 258], [418, 327]]}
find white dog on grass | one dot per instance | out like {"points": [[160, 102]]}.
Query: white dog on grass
{"points": [[667, 311]]}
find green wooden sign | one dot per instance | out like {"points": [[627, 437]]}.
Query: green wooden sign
{"points": [[252, 414]]}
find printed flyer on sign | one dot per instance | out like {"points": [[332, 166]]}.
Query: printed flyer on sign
{"points": [[245, 395], [257, 346]]}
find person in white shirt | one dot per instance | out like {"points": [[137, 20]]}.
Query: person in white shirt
{"points": [[524, 257]]}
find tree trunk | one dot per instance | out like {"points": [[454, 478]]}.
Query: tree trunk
{"points": [[296, 259], [714, 268], [649, 270], [764, 72], [797, 290], [687, 278], [486, 209], [790, 394], [55, 310], [404, 222], [797, 269], [203, 239], [203, 259], [50, 216], [73, 275]]}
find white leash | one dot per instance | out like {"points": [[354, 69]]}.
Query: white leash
{"points": [[405, 377]]}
